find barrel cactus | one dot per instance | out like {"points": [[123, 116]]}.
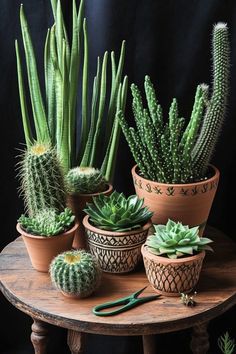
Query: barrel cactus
{"points": [[179, 151], [75, 273], [85, 180], [175, 240], [42, 180]]}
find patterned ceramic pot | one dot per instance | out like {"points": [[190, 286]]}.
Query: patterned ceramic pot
{"points": [[116, 252], [171, 277]]}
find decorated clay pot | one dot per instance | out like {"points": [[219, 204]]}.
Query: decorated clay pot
{"points": [[43, 249], [116, 252], [189, 203], [77, 202], [171, 277]]}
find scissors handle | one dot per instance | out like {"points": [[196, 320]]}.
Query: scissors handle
{"points": [[128, 302]]}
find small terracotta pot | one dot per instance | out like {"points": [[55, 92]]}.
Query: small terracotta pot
{"points": [[171, 277], [43, 249], [189, 203], [77, 202], [116, 252]]}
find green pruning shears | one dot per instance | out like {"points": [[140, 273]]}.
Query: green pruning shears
{"points": [[129, 302]]}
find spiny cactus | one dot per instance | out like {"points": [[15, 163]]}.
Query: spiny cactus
{"points": [[175, 240], [42, 180], [176, 152], [117, 213], [75, 273], [47, 222], [85, 180]]}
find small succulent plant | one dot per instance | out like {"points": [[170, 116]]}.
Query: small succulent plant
{"points": [[117, 213], [175, 240], [47, 222], [85, 180], [75, 273], [226, 344]]}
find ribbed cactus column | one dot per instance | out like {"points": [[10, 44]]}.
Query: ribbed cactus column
{"points": [[42, 181], [213, 119]]}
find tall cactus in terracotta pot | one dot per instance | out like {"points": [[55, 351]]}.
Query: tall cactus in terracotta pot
{"points": [[173, 172]]}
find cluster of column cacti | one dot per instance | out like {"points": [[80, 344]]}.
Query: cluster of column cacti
{"points": [[177, 152], [75, 273], [42, 180], [55, 120]]}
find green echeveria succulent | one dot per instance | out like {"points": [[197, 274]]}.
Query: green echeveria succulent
{"points": [[47, 222], [85, 180], [175, 240], [117, 213], [75, 273]]}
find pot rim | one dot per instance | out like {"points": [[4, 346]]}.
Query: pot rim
{"points": [[26, 234], [180, 185], [87, 225], [166, 260], [107, 190]]}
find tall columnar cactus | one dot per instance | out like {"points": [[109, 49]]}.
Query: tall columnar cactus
{"points": [[212, 123], [55, 118], [176, 152], [75, 273], [42, 180]]}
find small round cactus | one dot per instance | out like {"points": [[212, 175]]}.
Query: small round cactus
{"points": [[75, 273], [85, 180]]}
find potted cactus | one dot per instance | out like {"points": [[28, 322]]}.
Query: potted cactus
{"points": [[76, 274], [116, 227], [49, 226], [173, 173], [173, 258], [84, 183]]}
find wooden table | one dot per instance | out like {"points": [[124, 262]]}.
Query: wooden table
{"points": [[33, 293]]}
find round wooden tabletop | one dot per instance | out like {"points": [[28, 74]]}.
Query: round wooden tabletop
{"points": [[33, 293]]}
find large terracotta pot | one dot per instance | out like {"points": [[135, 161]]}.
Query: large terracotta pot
{"points": [[77, 202], [189, 203], [43, 249], [171, 277], [116, 252]]}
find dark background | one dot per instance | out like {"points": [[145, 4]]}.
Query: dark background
{"points": [[171, 41]]}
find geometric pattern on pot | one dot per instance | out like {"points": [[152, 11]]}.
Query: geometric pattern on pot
{"points": [[114, 241], [116, 260], [173, 278]]}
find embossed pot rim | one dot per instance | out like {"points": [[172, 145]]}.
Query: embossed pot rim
{"points": [[107, 190], [166, 260], [216, 176], [27, 234], [87, 225]]}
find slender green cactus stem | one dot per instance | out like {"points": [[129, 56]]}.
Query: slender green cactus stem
{"points": [[214, 116]]}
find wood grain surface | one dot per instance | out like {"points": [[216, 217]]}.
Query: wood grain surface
{"points": [[33, 293]]}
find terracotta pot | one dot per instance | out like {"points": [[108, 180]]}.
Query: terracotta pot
{"points": [[77, 202], [171, 277], [189, 203], [43, 249], [116, 252]]}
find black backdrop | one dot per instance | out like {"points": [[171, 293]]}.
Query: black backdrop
{"points": [[169, 40]]}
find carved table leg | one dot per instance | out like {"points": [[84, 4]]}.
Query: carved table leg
{"points": [[76, 341], [149, 345], [200, 340], [39, 336]]}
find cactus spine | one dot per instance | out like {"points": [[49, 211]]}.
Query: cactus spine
{"points": [[75, 273], [85, 180], [177, 152], [42, 181]]}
